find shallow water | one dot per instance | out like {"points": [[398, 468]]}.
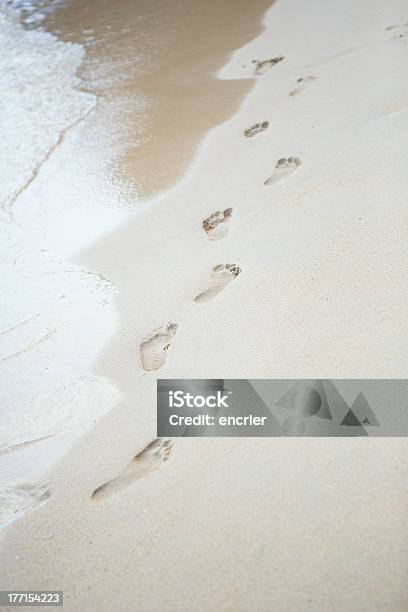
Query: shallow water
{"points": [[152, 66], [40, 100], [102, 105]]}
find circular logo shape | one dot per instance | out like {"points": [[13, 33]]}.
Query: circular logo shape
{"points": [[308, 401]]}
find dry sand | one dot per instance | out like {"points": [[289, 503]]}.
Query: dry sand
{"points": [[239, 524]]}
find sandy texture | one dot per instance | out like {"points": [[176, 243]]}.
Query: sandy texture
{"points": [[152, 66], [241, 524]]}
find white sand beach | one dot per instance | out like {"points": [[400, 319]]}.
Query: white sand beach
{"points": [[111, 280]]}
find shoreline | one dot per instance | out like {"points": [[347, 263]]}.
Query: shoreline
{"points": [[319, 291], [164, 103]]}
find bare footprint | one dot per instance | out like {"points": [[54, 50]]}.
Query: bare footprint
{"points": [[15, 501], [397, 26], [262, 66], [401, 31], [302, 84], [283, 168], [154, 349], [216, 225], [256, 129], [145, 462], [222, 275]]}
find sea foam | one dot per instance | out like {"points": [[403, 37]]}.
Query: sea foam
{"points": [[41, 99]]}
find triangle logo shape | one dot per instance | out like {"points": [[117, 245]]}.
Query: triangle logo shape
{"points": [[338, 406], [309, 409], [350, 420], [315, 398], [363, 412]]}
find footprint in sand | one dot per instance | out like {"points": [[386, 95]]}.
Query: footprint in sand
{"points": [[154, 349], [216, 225], [401, 31], [222, 275], [283, 168], [302, 84], [262, 66], [145, 462], [256, 129], [20, 499]]}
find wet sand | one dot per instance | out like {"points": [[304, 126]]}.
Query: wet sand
{"points": [[307, 281], [152, 66]]}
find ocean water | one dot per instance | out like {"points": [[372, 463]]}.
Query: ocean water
{"points": [[47, 300], [102, 106], [153, 69], [41, 99]]}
